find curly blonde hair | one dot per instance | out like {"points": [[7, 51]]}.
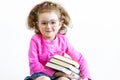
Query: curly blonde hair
{"points": [[44, 7]]}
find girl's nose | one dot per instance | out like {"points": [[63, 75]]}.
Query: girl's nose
{"points": [[48, 25]]}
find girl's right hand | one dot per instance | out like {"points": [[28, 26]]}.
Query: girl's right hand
{"points": [[71, 76]]}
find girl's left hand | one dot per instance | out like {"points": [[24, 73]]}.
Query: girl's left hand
{"points": [[71, 76], [83, 79]]}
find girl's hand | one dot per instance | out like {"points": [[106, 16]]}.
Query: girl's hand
{"points": [[59, 74], [83, 79], [71, 76]]}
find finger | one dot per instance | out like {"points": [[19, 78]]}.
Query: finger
{"points": [[72, 74]]}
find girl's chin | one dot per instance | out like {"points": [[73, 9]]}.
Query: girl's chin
{"points": [[49, 36]]}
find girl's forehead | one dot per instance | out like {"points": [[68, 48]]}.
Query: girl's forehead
{"points": [[48, 16]]}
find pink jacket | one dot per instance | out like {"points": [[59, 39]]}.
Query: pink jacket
{"points": [[42, 50]]}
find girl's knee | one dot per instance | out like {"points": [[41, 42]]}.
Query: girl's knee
{"points": [[43, 78], [63, 78]]}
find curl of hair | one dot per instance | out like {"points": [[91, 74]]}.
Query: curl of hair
{"points": [[50, 6]]}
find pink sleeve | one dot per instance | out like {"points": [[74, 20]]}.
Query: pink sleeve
{"points": [[34, 63], [79, 58]]}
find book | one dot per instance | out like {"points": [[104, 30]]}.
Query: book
{"points": [[66, 65], [60, 68], [67, 60]]}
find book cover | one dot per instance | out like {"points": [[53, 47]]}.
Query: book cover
{"points": [[64, 64]]}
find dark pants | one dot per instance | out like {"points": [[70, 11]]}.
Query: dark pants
{"points": [[35, 75]]}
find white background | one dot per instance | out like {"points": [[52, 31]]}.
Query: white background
{"points": [[95, 33]]}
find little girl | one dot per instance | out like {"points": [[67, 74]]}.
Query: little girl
{"points": [[50, 20]]}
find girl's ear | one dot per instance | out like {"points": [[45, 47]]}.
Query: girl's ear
{"points": [[60, 24], [63, 28]]}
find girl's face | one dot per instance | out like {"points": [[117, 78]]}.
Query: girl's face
{"points": [[49, 25]]}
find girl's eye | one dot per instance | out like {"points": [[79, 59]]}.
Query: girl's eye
{"points": [[44, 23], [53, 22]]}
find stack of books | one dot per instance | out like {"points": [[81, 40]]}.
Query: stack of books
{"points": [[64, 64]]}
